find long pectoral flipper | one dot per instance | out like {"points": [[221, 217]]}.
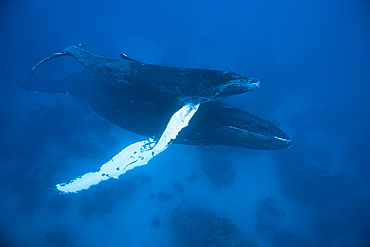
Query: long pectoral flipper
{"points": [[137, 154]]}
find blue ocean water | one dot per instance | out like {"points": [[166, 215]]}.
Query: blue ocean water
{"points": [[313, 61]]}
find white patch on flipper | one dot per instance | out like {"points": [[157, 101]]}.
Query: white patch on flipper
{"points": [[135, 155]]}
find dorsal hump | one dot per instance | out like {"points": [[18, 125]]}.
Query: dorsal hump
{"points": [[124, 56]]}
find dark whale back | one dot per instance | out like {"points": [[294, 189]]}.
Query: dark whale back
{"points": [[158, 83]]}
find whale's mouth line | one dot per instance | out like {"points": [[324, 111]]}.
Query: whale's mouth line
{"points": [[261, 135]]}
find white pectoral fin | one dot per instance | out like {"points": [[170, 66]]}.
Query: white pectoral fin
{"points": [[136, 154]]}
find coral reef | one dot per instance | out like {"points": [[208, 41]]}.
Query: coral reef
{"points": [[194, 227], [218, 168]]}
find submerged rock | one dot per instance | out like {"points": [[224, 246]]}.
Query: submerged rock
{"points": [[218, 168], [194, 227]]}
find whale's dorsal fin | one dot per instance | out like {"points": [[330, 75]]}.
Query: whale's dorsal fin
{"points": [[124, 56]]}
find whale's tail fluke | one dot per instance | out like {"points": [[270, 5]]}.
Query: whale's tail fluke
{"points": [[65, 52]]}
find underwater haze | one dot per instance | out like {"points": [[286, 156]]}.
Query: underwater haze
{"points": [[313, 61]]}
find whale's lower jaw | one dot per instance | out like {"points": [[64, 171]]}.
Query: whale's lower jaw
{"points": [[237, 137], [254, 140]]}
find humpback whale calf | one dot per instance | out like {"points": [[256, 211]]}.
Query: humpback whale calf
{"points": [[143, 98], [159, 83]]}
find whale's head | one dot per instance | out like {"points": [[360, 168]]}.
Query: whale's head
{"points": [[236, 84], [221, 84], [209, 85]]}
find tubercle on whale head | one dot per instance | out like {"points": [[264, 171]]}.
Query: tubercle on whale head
{"points": [[233, 84], [238, 84]]}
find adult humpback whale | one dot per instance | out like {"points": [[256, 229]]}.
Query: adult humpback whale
{"points": [[214, 124], [142, 98]]}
